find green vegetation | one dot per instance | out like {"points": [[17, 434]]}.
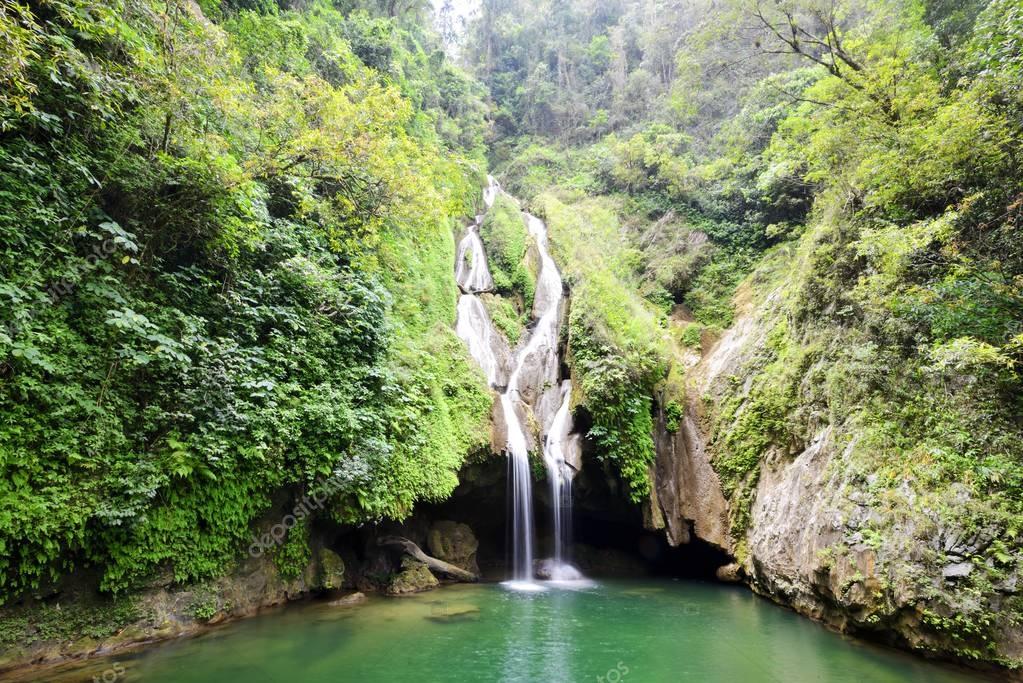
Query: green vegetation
{"points": [[507, 241], [226, 273], [97, 620], [616, 346], [505, 316]]}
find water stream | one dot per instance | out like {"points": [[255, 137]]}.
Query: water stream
{"points": [[532, 391]]}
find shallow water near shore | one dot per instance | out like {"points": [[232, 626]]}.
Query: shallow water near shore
{"points": [[644, 630]]}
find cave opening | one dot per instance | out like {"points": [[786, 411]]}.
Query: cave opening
{"points": [[609, 538]]}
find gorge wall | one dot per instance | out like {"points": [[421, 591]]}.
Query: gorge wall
{"points": [[811, 530]]}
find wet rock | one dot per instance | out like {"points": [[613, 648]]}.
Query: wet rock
{"points": [[549, 570], [348, 600], [573, 452], [729, 573], [498, 428], [414, 577], [454, 543]]}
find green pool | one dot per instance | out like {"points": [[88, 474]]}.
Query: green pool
{"points": [[633, 631]]}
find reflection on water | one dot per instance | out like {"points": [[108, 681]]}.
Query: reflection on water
{"points": [[629, 631]]}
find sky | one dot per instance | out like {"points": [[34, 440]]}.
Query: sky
{"points": [[463, 9]]}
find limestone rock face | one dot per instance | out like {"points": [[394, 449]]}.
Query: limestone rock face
{"points": [[814, 529], [168, 610], [454, 543], [687, 494]]}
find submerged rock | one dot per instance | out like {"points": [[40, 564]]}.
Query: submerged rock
{"points": [[456, 612], [348, 600]]}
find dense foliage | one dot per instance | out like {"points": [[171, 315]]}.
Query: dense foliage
{"points": [[227, 240]]}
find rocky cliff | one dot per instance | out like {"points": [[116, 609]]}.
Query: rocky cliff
{"points": [[811, 525]]}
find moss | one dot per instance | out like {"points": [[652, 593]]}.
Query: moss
{"points": [[506, 318], [96, 618], [507, 239]]}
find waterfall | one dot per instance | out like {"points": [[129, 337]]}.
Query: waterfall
{"points": [[472, 274], [532, 387], [557, 448]]}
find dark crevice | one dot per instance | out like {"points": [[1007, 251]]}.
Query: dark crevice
{"points": [[609, 539]]}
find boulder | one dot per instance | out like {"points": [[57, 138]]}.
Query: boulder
{"points": [[729, 573], [454, 543], [455, 612], [414, 577], [331, 570]]}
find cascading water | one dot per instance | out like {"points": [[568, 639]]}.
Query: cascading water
{"points": [[532, 386], [558, 446], [472, 274]]}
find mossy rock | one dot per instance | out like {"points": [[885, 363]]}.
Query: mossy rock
{"points": [[332, 570], [414, 577], [455, 543]]}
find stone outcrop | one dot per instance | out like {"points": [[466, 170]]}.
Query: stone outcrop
{"points": [[821, 542], [167, 610], [414, 577], [686, 495], [454, 543]]}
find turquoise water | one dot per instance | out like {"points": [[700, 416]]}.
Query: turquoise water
{"points": [[616, 631]]}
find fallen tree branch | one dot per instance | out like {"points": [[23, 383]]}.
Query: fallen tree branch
{"points": [[435, 565]]}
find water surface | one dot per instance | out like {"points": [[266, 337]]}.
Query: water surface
{"points": [[631, 631]]}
